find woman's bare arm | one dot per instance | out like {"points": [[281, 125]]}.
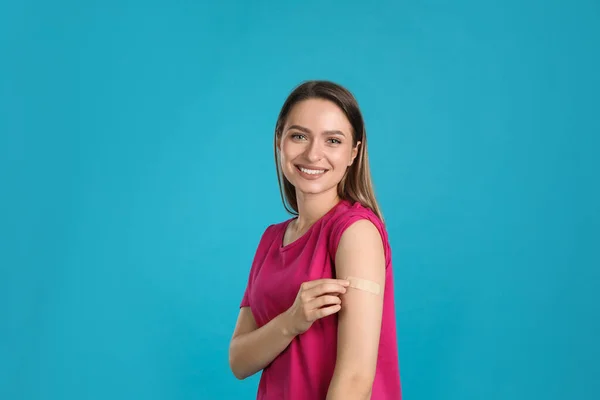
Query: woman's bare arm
{"points": [[252, 348], [360, 254]]}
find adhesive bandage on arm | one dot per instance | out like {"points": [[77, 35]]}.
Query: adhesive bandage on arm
{"points": [[364, 284]]}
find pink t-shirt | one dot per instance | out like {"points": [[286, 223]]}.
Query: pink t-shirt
{"points": [[305, 368]]}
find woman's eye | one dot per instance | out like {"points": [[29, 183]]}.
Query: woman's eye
{"points": [[297, 136], [335, 141]]}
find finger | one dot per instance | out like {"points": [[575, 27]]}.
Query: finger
{"points": [[330, 288], [322, 301], [325, 311], [311, 284]]}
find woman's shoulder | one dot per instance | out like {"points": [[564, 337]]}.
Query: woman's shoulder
{"points": [[349, 212], [363, 219], [274, 229]]}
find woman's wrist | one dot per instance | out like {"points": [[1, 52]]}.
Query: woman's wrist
{"points": [[286, 325]]}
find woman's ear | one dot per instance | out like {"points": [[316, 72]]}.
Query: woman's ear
{"points": [[354, 153]]}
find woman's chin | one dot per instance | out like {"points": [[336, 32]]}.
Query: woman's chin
{"points": [[312, 190]]}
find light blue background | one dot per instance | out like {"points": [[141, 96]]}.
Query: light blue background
{"points": [[137, 175]]}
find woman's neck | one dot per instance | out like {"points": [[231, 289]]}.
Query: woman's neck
{"points": [[313, 207]]}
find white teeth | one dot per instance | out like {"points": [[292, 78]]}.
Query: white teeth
{"points": [[312, 171]]}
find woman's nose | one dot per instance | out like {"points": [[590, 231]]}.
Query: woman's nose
{"points": [[314, 152]]}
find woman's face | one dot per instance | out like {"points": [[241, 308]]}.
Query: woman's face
{"points": [[316, 146]]}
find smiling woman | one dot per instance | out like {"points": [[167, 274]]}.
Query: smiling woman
{"points": [[318, 316], [315, 161]]}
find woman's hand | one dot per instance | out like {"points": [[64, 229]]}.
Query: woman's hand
{"points": [[315, 299]]}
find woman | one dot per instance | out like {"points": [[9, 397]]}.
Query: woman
{"points": [[317, 316]]}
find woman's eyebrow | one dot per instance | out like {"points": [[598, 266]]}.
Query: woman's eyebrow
{"points": [[306, 130], [335, 132], [300, 128]]}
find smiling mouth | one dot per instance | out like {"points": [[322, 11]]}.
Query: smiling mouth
{"points": [[310, 171]]}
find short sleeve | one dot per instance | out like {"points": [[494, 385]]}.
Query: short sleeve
{"points": [[345, 220], [254, 268], [245, 300]]}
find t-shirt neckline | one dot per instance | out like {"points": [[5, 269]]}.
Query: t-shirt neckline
{"points": [[305, 235]]}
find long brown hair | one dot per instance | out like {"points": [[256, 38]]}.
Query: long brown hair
{"points": [[356, 185]]}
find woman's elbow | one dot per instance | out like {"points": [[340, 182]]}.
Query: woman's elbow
{"points": [[234, 365], [238, 374], [236, 371], [352, 386], [361, 383]]}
